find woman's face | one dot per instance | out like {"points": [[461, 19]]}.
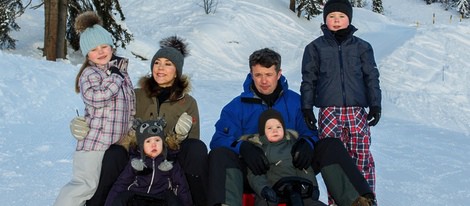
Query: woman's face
{"points": [[101, 54], [336, 21], [153, 146], [164, 72]]}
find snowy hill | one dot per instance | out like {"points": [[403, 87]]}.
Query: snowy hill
{"points": [[420, 145]]}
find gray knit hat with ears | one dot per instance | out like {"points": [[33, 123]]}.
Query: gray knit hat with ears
{"points": [[147, 129], [174, 49]]}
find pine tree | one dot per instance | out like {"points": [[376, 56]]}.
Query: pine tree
{"points": [[9, 11], [104, 9], [463, 6], [377, 6], [357, 3], [310, 7]]}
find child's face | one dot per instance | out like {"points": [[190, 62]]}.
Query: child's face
{"points": [[101, 54], [153, 146], [336, 21], [273, 130], [164, 72]]}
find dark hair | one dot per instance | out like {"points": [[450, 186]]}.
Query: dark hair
{"points": [[180, 86], [266, 58]]}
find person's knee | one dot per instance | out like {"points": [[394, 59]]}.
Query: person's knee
{"points": [[115, 151], [195, 147]]}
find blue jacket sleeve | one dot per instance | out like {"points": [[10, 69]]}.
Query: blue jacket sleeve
{"points": [[228, 128]]}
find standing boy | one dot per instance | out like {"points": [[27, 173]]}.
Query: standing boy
{"points": [[340, 77]]}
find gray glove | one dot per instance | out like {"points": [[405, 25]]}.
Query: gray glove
{"points": [[79, 128], [182, 127]]}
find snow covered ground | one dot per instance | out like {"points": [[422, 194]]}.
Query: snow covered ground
{"points": [[421, 145]]}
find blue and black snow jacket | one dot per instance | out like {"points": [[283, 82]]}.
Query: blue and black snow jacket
{"points": [[339, 74], [240, 116]]}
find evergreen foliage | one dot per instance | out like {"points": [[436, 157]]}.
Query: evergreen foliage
{"points": [[310, 8], [463, 7], [357, 3], [108, 11], [9, 10], [377, 6]]}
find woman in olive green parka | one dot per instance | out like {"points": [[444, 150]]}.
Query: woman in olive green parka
{"points": [[165, 93]]}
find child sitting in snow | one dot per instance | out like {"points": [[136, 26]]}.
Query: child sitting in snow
{"points": [[346, 182], [276, 142], [150, 178]]}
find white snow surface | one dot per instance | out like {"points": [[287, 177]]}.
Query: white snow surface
{"points": [[420, 146]]}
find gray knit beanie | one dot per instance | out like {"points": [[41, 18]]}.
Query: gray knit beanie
{"points": [[92, 34], [343, 6], [174, 49]]}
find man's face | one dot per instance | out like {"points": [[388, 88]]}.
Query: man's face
{"points": [[265, 78]]}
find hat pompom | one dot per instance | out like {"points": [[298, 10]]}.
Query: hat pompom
{"points": [[138, 164], [177, 43], [86, 20], [165, 165]]}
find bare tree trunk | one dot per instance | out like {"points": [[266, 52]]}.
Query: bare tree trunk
{"points": [[292, 5], [50, 35], [55, 45], [61, 30]]}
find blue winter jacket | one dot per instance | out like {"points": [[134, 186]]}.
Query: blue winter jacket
{"points": [[240, 116], [340, 75]]}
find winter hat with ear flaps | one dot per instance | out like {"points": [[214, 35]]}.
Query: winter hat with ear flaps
{"points": [[147, 129], [92, 34], [343, 6], [174, 49], [265, 116]]}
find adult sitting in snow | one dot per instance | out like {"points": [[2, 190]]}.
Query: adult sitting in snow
{"points": [[266, 88], [165, 93]]}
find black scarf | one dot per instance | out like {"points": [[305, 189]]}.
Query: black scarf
{"points": [[164, 94], [270, 99], [342, 34]]}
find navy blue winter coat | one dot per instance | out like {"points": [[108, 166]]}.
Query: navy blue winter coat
{"points": [[156, 182], [240, 116], [342, 75]]}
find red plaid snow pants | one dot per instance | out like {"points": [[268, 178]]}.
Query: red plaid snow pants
{"points": [[350, 125]]}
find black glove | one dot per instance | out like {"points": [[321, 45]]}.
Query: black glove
{"points": [[269, 194], [254, 158], [120, 62], [302, 153], [374, 115], [115, 70], [310, 118]]}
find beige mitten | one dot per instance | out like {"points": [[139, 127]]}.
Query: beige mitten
{"points": [[79, 128], [184, 124]]}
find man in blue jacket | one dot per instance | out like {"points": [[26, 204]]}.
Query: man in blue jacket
{"points": [[266, 88]]}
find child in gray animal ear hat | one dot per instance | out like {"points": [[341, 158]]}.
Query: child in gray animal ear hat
{"points": [[151, 142], [150, 178]]}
